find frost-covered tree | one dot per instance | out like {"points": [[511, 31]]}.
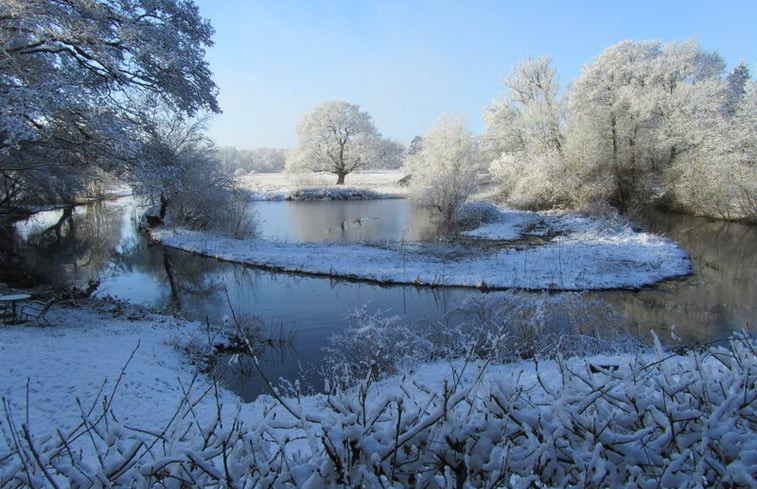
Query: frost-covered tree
{"points": [[71, 72], [646, 122], [529, 116], [335, 137], [737, 80], [524, 136], [444, 169], [638, 108], [265, 160], [179, 173], [717, 174]]}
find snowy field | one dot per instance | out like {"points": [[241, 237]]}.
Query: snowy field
{"points": [[277, 186], [586, 254], [631, 420]]}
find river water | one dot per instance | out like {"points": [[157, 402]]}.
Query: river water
{"points": [[102, 244]]}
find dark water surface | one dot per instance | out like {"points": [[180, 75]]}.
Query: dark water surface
{"points": [[102, 244]]}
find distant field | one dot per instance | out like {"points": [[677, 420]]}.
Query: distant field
{"points": [[383, 181]]}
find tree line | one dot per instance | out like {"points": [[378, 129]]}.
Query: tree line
{"points": [[96, 90], [646, 123]]}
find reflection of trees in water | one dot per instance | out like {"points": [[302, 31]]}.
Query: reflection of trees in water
{"points": [[358, 220], [190, 278], [717, 298], [77, 246]]}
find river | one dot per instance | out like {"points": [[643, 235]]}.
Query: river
{"points": [[102, 244]]}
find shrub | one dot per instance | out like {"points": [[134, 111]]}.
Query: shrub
{"points": [[654, 420], [501, 327]]}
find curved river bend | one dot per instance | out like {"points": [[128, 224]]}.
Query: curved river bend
{"points": [[717, 299]]}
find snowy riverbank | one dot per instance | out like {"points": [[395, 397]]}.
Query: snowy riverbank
{"points": [[104, 394], [583, 253]]}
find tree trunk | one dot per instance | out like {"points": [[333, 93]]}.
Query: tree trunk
{"points": [[163, 208], [171, 281], [67, 217], [340, 177]]}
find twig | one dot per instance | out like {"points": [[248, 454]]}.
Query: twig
{"points": [[37, 458]]}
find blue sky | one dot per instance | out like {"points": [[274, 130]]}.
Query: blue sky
{"points": [[407, 62]]}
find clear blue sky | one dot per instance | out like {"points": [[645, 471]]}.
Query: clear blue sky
{"points": [[406, 62]]}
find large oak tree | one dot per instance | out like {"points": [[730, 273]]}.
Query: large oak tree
{"points": [[335, 137]]}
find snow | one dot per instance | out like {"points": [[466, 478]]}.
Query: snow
{"points": [[509, 227], [283, 186], [83, 351], [587, 254], [535, 412], [534, 416]]}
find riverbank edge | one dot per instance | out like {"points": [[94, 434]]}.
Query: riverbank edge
{"points": [[587, 254]]}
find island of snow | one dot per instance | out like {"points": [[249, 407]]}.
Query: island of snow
{"points": [[523, 250]]}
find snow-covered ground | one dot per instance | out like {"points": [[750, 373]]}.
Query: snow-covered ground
{"points": [[631, 419], [278, 186], [586, 254], [83, 351]]}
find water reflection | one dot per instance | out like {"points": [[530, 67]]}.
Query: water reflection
{"points": [[307, 310], [718, 298], [345, 221], [101, 243], [76, 245]]}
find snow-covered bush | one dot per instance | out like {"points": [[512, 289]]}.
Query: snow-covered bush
{"points": [[500, 327], [444, 169], [541, 181], [652, 420], [471, 214], [376, 345]]}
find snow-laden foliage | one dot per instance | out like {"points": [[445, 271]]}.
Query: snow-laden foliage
{"points": [[500, 327], [653, 420], [74, 76], [443, 169], [335, 137], [645, 122]]}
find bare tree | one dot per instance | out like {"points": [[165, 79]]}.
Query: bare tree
{"points": [[178, 171]]}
